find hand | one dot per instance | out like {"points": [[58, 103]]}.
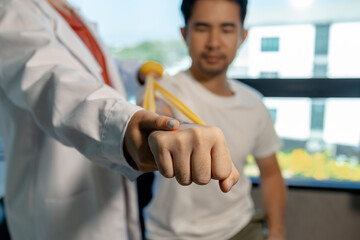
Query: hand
{"points": [[194, 153], [136, 145]]}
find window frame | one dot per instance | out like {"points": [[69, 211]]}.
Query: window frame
{"points": [[306, 87]]}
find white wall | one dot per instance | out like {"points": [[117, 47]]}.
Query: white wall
{"points": [[296, 51]]}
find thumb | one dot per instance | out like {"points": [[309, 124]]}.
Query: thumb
{"points": [[166, 123], [152, 122]]}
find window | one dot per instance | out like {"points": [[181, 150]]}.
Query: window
{"points": [[270, 44], [321, 146], [323, 141], [315, 91]]}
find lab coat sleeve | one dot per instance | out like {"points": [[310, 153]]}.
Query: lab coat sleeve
{"points": [[39, 75]]}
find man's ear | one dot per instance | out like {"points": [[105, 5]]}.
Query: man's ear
{"points": [[243, 38], [183, 33]]}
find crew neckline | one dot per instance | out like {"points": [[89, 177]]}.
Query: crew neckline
{"points": [[230, 101]]}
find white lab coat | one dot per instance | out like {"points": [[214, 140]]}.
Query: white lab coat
{"points": [[63, 132]]}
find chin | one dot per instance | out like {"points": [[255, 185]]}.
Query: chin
{"points": [[213, 70]]}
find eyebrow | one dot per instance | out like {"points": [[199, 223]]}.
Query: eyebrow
{"points": [[201, 24], [204, 24], [228, 25]]}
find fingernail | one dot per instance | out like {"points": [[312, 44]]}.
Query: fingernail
{"points": [[171, 124]]}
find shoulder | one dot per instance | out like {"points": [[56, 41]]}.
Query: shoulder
{"points": [[177, 82], [247, 92], [22, 5], [26, 13], [175, 79]]}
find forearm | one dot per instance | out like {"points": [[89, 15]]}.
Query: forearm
{"points": [[274, 195]]}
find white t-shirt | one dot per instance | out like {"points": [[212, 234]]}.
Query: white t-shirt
{"points": [[204, 212]]}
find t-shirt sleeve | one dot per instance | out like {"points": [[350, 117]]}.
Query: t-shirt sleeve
{"points": [[267, 141]]}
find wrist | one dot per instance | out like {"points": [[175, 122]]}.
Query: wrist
{"points": [[277, 234]]}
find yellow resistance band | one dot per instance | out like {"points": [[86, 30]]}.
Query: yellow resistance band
{"points": [[149, 100]]}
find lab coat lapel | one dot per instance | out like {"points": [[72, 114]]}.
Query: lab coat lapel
{"points": [[71, 41], [112, 70]]}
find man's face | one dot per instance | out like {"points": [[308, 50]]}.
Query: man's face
{"points": [[213, 34]]}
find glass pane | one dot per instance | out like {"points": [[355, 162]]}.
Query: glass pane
{"points": [[321, 138], [270, 44]]}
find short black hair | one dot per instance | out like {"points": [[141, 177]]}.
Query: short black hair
{"points": [[187, 7]]}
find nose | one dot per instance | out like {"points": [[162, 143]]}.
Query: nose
{"points": [[214, 39]]}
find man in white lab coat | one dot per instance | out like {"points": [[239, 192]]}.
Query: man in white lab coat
{"points": [[72, 142]]}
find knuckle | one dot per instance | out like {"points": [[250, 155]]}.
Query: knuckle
{"points": [[218, 176], [197, 136], [222, 174], [198, 132], [166, 172], [160, 140], [201, 180], [183, 179], [217, 132]]}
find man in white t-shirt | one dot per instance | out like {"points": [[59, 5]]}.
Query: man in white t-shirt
{"points": [[213, 32]]}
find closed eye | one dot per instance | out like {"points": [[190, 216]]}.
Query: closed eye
{"points": [[201, 27], [228, 27]]}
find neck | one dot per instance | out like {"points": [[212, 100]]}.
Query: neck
{"points": [[216, 83]]}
